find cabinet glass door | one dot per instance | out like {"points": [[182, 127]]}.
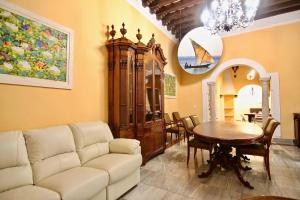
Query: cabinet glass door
{"points": [[149, 91], [157, 91], [131, 83]]}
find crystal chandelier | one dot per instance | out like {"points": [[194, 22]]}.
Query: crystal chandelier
{"points": [[227, 15]]}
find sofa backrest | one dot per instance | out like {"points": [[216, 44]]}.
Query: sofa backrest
{"points": [[50, 150], [91, 139], [15, 170]]}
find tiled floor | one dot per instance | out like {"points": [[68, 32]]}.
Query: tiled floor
{"points": [[167, 177]]}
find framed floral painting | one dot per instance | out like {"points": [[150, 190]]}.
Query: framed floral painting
{"points": [[170, 85], [33, 50]]}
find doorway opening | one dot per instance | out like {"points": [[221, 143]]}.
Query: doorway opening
{"points": [[248, 100], [214, 110], [240, 95]]}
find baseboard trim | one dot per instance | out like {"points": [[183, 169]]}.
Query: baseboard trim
{"points": [[283, 141]]}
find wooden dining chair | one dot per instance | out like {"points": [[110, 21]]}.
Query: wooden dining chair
{"points": [[194, 142], [262, 148], [178, 120], [195, 120], [265, 125], [172, 127]]}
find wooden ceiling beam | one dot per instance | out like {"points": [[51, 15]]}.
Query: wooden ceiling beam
{"points": [[283, 7], [179, 21], [176, 6], [182, 34], [267, 3], [158, 4], [146, 2], [271, 13], [276, 8], [187, 26], [181, 14]]}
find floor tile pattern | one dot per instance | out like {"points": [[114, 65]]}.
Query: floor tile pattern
{"points": [[167, 177]]}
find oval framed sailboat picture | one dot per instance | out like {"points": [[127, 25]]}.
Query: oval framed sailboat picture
{"points": [[199, 51]]}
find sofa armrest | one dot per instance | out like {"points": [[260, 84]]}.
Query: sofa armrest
{"points": [[122, 145]]}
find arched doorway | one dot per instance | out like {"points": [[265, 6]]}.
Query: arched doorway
{"points": [[249, 96], [209, 89]]}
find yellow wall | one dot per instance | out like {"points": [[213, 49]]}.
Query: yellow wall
{"points": [[23, 107], [277, 49], [241, 78]]}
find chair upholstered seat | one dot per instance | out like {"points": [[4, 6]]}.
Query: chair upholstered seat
{"points": [[117, 165], [199, 144], [175, 129], [77, 183], [29, 192], [195, 142]]}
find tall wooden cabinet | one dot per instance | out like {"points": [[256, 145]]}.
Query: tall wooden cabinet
{"points": [[136, 94]]}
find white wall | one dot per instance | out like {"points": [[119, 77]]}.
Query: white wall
{"points": [[249, 96]]}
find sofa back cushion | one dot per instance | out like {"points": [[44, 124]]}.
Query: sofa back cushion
{"points": [[15, 170], [51, 150], [91, 139]]}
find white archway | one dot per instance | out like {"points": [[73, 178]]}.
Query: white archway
{"points": [[239, 61], [209, 108]]}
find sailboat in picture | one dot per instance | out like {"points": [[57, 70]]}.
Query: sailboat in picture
{"points": [[199, 51], [202, 56]]}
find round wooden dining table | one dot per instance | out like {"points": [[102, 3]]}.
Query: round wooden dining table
{"points": [[223, 136]]}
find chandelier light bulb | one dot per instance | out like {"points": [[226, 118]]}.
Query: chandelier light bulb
{"points": [[229, 21], [225, 6], [214, 5], [211, 22], [221, 18], [205, 16], [239, 14]]}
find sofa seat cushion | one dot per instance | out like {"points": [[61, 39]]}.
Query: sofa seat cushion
{"points": [[29, 192], [78, 183], [118, 166]]}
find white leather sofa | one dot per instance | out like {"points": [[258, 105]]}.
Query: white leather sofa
{"points": [[77, 162], [16, 181], [121, 158]]}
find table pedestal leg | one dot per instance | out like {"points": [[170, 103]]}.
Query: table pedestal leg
{"points": [[222, 156]]}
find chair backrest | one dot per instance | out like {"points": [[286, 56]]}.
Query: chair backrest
{"points": [[15, 170], [167, 119], [269, 131], [176, 116], [265, 125], [195, 120], [188, 125], [50, 150], [91, 139]]}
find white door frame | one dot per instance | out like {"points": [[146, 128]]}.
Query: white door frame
{"points": [[274, 88], [275, 100]]}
